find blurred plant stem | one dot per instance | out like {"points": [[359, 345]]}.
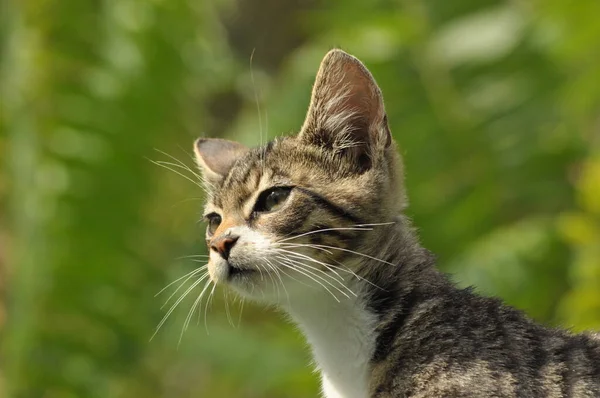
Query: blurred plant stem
{"points": [[30, 246]]}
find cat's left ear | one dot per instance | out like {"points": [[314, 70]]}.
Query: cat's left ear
{"points": [[346, 111], [216, 156]]}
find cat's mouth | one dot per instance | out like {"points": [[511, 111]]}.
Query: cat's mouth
{"points": [[222, 271], [237, 272]]}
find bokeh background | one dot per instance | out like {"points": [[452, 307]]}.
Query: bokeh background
{"points": [[494, 103]]}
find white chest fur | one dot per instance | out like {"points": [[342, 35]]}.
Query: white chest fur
{"points": [[342, 340]]}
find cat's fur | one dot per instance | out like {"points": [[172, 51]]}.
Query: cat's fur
{"points": [[341, 259]]}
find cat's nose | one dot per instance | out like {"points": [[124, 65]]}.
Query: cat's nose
{"points": [[223, 245]]}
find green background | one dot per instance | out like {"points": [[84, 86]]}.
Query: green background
{"points": [[495, 106]]}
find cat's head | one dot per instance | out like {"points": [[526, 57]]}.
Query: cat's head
{"points": [[296, 211]]}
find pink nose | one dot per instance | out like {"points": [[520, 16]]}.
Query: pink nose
{"points": [[223, 245]]}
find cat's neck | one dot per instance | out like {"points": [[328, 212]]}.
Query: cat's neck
{"points": [[342, 337], [397, 262], [342, 330]]}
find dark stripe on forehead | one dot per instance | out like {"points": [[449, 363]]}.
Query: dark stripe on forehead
{"points": [[244, 177], [253, 165], [216, 199], [254, 161], [240, 172], [278, 171], [332, 207]]}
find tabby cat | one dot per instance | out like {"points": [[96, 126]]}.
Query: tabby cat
{"points": [[313, 223]]}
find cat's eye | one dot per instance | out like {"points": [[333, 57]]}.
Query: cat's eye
{"points": [[272, 199], [214, 220]]}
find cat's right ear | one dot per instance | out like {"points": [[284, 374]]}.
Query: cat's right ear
{"points": [[346, 111], [216, 156]]}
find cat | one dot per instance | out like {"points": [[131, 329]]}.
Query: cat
{"points": [[314, 224]]}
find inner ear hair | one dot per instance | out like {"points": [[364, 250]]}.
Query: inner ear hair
{"points": [[346, 112]]}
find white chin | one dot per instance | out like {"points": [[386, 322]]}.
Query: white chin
{"points": [[256, 288], [248, 285], [218, 271]]}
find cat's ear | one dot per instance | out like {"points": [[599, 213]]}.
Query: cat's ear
{"points": [[216, 156], [346, 110]]}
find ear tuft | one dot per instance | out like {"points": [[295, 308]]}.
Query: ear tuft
{"points": [[346, 112], [216, 156]]}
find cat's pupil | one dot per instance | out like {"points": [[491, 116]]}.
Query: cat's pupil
{"points": [[272, 200]]}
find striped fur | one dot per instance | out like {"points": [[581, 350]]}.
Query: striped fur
{"points": [[342, 260]]}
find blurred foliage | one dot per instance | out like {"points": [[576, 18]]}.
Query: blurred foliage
{"points": [[495, 106]]}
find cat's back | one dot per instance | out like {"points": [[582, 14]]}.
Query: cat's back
{"points": [[459, 344]]}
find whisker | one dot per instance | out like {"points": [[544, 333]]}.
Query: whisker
{"points": [[288, 275], [178, 173], [207, 185], [264, 151], [186, 323], [206, 286], [227, 311], [200, 177], [324, 230], [185, 201], [175, 159], [203, 276], [209, 300], [188, 153], [332, 267], [329, 266], [304, 256], [270, 273], [186, 168], [241, 310], [179, 300], [183, 165], [355, 227], [257, 109], [342, 249], [193, 256], [340, 281], [303, 271], [190, 274], [277, 273]]}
